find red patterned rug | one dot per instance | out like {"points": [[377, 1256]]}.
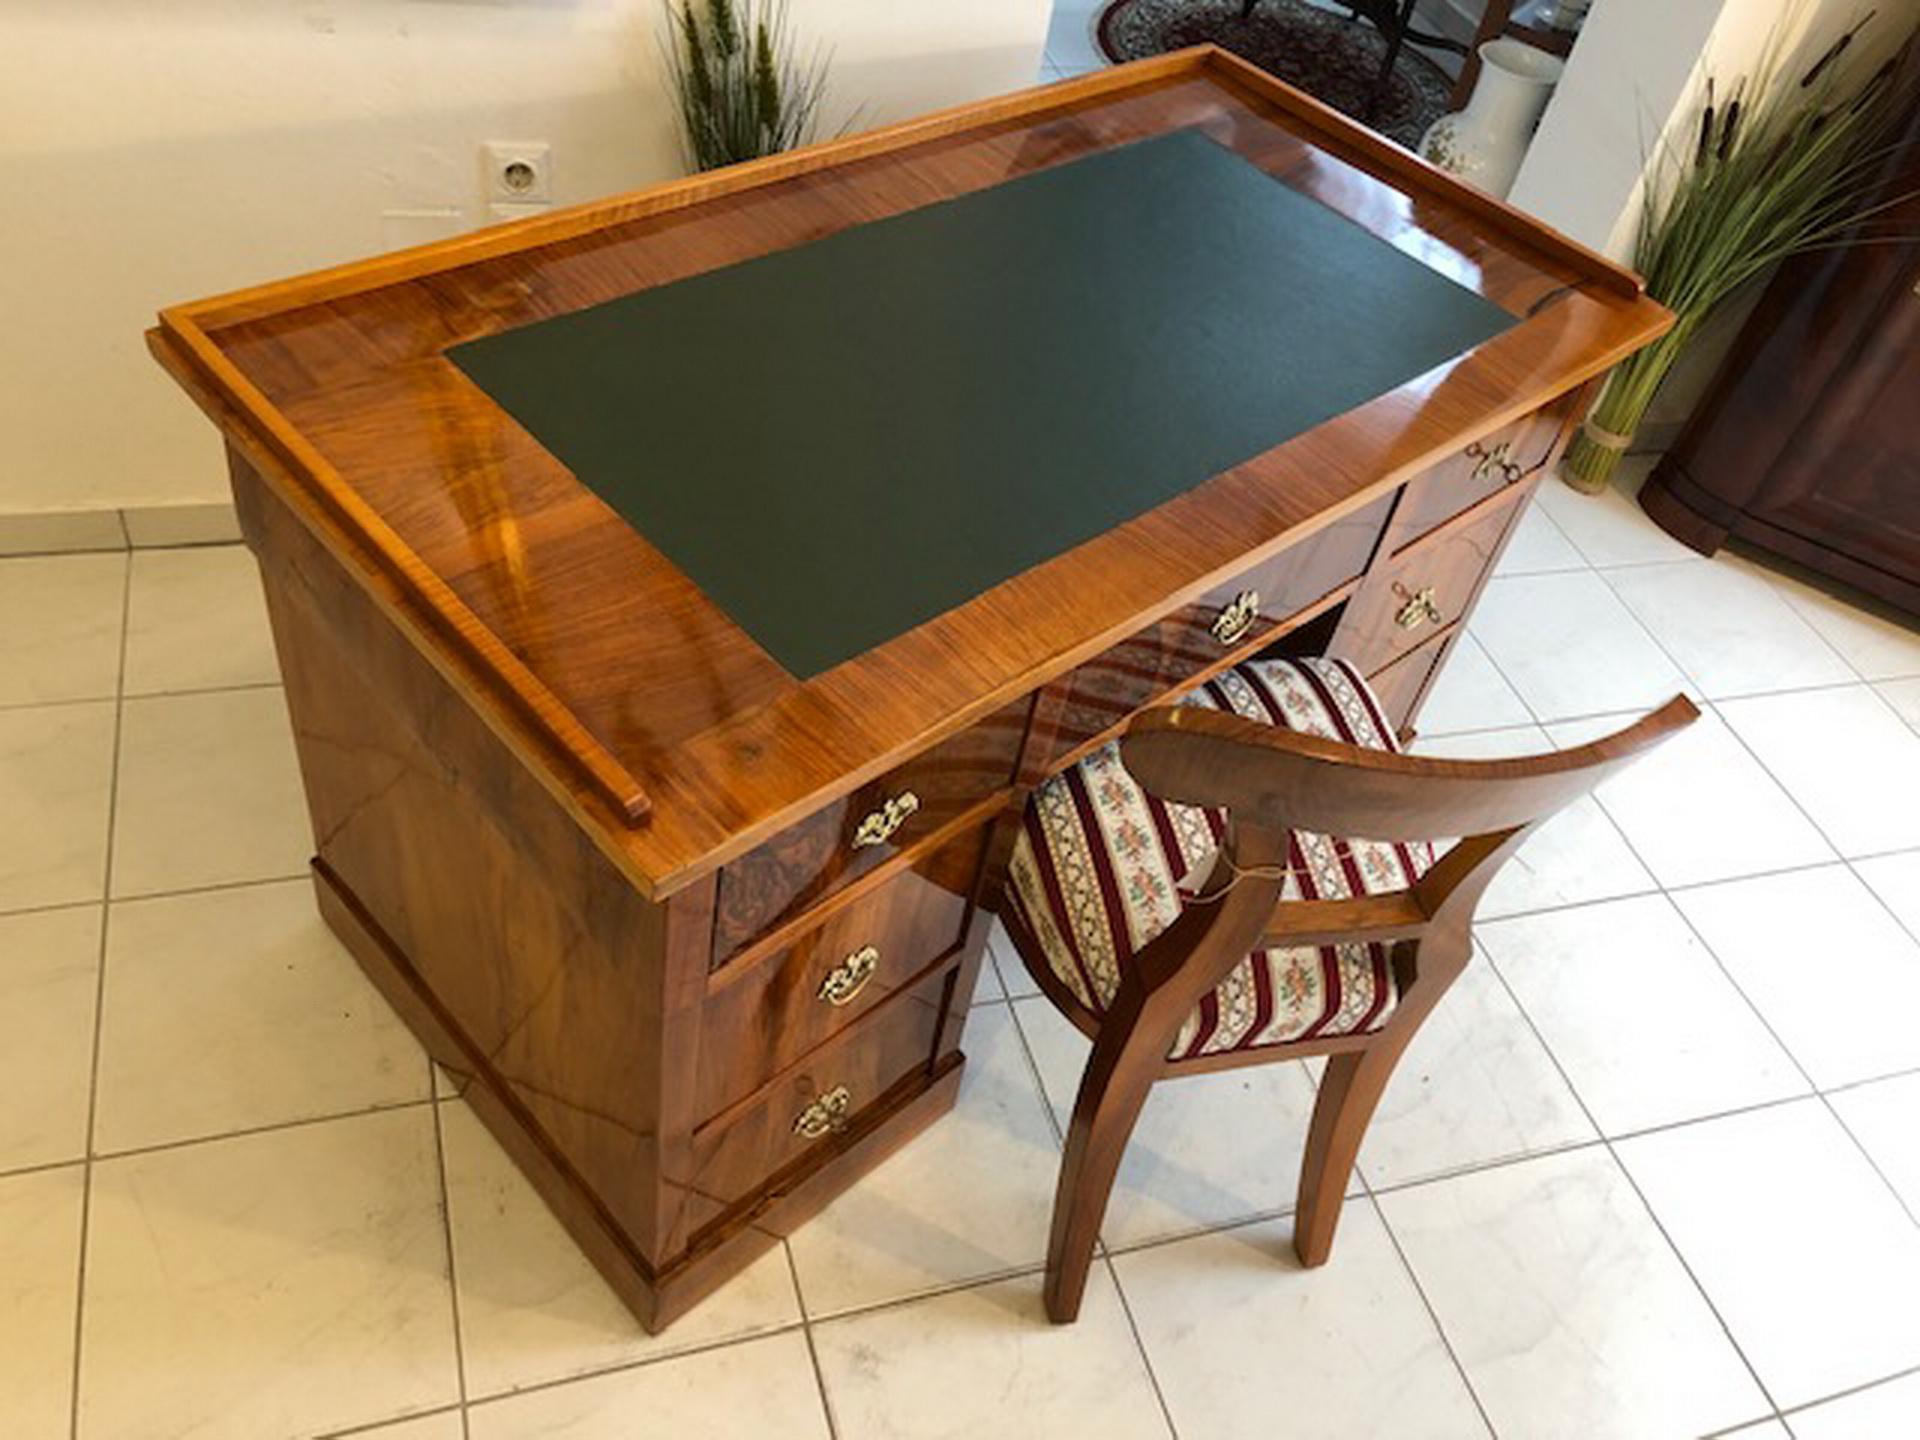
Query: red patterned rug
{"points": [[1329, 56]]}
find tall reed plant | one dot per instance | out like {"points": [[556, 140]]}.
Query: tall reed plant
{"points": [[741, 89], [1773, 166]]}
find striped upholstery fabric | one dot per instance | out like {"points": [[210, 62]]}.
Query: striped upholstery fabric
{"points": [[1096, 871]]}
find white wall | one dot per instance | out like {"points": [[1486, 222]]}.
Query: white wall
{"points": [[1634, 76], [155, 151]]}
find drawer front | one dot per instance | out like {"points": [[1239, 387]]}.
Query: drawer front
{"points": [[842, 841], [779, 1007], [1421, 591], [1403, 684], [1484, 468], [1104, 691], [806, 1109]]}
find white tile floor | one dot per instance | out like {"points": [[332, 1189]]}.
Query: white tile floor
{"points": [[1652, 1170]]}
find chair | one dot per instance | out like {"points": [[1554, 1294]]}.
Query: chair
{"points": [[1177, 895], [1394, 20]]}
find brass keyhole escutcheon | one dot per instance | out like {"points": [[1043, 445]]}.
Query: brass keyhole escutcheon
{"points": [[824, 1115], [878, 827], [850, 976], [1419, 608], [1232, 623]]}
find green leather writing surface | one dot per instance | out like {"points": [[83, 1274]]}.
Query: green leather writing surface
{"points": [[840, 441]]}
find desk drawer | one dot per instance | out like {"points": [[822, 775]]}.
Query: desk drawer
{"points": [[1484, 468], [1104, 691], [1424, 589], [1402, 685], [840, 842], [777, 1008], [803, 1110]]}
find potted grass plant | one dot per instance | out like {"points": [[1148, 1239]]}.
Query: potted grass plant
{"points": [[1775, 165], [740, 89]]}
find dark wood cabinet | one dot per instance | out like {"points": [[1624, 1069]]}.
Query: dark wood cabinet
{"points": [[1808, 442]]}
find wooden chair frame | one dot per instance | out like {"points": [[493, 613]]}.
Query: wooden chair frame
{"points": [[1272, 781]]}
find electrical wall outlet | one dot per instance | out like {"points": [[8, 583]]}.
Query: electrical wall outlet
{"points": [[517, 172]]}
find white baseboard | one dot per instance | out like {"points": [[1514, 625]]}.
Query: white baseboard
{"points": [[136, 527]]}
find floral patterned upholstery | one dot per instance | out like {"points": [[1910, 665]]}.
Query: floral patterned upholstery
{"points": [[1097, 868]]}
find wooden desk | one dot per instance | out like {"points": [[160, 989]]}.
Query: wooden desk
{"points": [[700, 936]]}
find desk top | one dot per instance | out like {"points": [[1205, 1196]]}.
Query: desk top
{"points": [[669, 731], [895, 419]]}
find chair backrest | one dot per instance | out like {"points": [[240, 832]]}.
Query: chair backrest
{"points": [[1282, 779]]}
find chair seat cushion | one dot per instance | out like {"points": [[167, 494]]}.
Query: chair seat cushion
{"points": [[1097, 870]]}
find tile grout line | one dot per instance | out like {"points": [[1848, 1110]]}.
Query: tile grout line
{"points": [[1767, 770], [1599, 804], [351, 1432], [1667, 894], [209, 889], [1840, 857], [99, 1003], [1139, 1341], [446, 1231], [1433, 1315], [1818, 1091], [1621, 1137], [980, 1282], [274, 1127], [1602, 1140], [1406, 1264], [105, 902], [68, 702], [1910, 1372], [1772, 590], [806, 1332], [1709, 703], [1639, 1194], [1867, 1155], [1104, 1253]]}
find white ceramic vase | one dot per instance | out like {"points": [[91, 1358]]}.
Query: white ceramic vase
{"points": [[1484, 143]]}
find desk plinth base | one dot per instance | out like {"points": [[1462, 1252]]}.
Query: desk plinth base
{"points": [[570, 1006], [656, 1299]]}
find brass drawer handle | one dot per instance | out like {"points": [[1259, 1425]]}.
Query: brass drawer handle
{"points": [[1418, 609], [1237, 619], [824, 1115], [1494, 459], [879, 825], [850, 976]]}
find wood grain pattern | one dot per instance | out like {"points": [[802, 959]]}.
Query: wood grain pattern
{"points": [[1272, 781], [1808, 442], [1402, 684], [762, 1014], [565, 616], [1200, 638], [823, 852], [1484, 468], [597, 849], [1427, 586], [739, 1152]]}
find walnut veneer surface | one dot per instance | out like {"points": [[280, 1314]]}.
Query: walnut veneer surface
{"points": [[701, 934]]}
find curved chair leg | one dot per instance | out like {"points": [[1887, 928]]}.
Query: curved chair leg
{"points": [[1119, 1074], [1350, 1087]]}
